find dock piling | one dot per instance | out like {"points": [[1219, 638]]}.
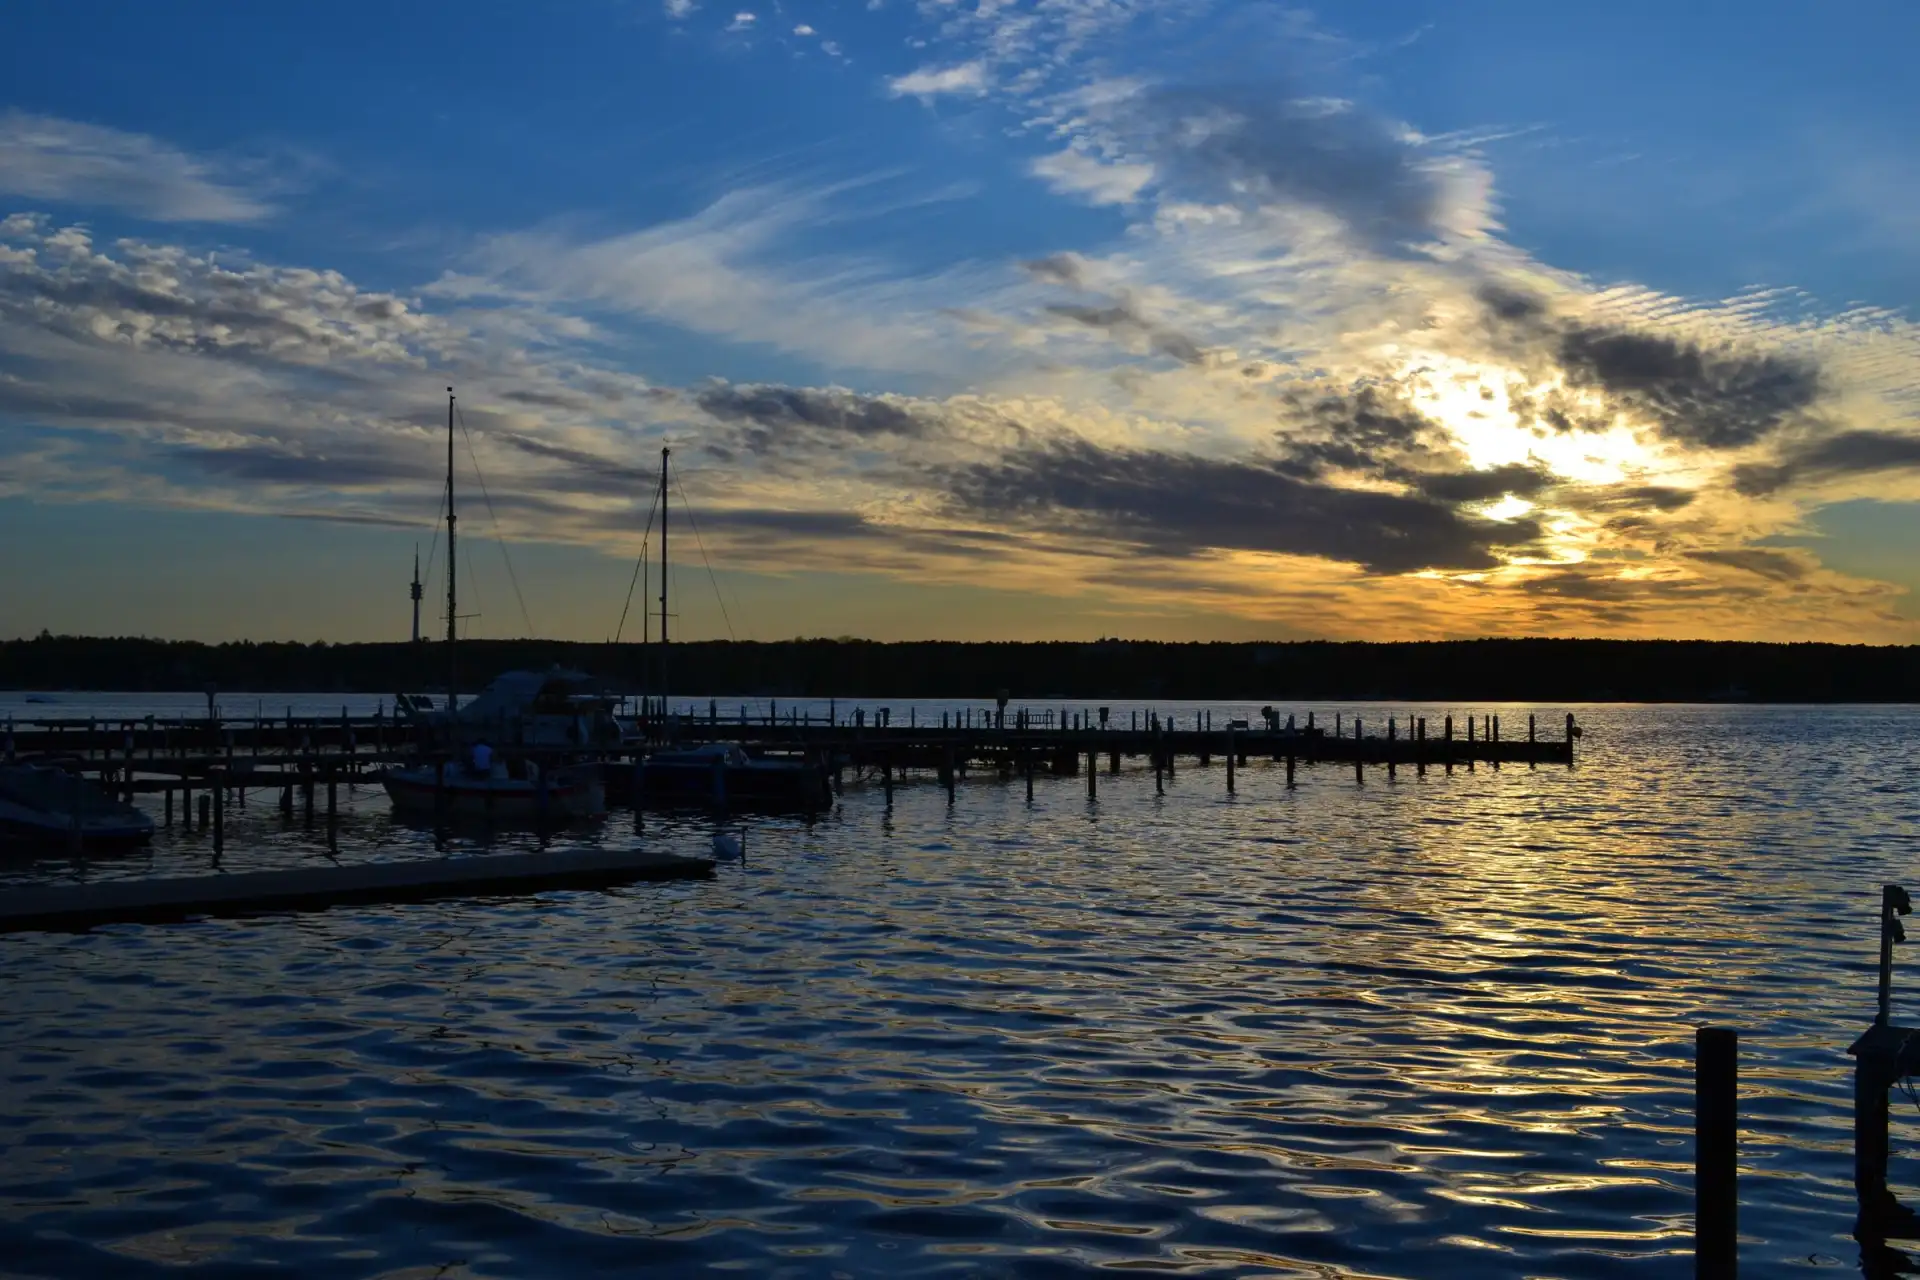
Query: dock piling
{"points": [[1716, 1216]]}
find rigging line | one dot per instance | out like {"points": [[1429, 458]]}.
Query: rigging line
{"points": [[638, 561], [499, 541], [433, 543], [695, 526]]}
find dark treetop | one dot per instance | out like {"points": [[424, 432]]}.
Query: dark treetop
{"points": [[1536, 670]]}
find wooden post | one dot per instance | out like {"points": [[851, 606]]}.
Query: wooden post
{"points": [[1469, 744], [1493, 740], [186, 801], [886, 779], [1392, 735], [1448, 744], [286, 802], [169, 821], [1420, 747], [1230, 760], [950, 773], [219, 814], [1159, 765], [1093, 773], [1530, 740], [333, 809], [1570, 736], [1026, 759], [1716, 1135]]}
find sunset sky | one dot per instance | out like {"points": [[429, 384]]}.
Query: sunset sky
{"points": [[977, 320]]}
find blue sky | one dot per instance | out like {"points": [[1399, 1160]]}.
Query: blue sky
{"points": [[1069, 319]]}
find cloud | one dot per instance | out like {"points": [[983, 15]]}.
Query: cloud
{"points": [[743, 21], [1074, 173], [46, 158], [1850, 453], [1778, 566], [733, 269], [803, 30], [932, 82], [1124, 318], [1182, 503], [1265, 148], [1713, 397], [679, 10], [778, 418]]}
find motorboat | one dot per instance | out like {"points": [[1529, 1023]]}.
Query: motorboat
{"points": [[504, 791], [42, 806], [723, 773]]}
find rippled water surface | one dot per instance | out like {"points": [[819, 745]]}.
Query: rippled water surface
{"points": [[1438, 1026]]}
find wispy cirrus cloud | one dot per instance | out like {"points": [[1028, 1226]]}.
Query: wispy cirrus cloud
{"points": [[50, 159], [968, 78]]}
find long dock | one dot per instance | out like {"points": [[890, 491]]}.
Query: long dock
{"points": [[116, 901]]}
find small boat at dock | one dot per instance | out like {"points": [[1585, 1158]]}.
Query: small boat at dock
{"points": [[45, 807], [516, 791], [722, 773]]}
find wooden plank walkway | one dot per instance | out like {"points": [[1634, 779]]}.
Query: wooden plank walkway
{"points": [[114, 901]]}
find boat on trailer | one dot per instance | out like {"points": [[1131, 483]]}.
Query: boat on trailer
{"points": [[46, 807]]}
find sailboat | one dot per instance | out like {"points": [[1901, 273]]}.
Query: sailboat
{"points": [[720, 773], [475, 779]]}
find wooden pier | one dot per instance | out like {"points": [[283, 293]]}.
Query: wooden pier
{"points": [[216, 763], [115, 901]]}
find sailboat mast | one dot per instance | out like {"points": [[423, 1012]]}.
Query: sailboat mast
{"points": [[665, 504], [414, 591], [452, 616]]}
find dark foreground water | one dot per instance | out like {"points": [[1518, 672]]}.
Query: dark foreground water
{"points": [[1439, 1027]]}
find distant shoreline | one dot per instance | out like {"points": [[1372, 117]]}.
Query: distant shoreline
{"points": [[1520, 670]]}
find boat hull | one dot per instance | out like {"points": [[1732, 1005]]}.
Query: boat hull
{"points": [[25, 828], [790, 787], [419, 792]]}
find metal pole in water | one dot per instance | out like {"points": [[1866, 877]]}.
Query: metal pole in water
{"points": [[1716, 1133]]}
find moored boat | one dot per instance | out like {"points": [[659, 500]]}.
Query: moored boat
{"points": [[46, 807], [519, 791], [722, 773]]}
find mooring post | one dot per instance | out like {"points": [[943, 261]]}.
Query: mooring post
{"points": [[1447, 745], [1469, 744], [1230, 759], [1026, 760], [169, 821], [1392, 735], [1420, 748], [886, 778], [1159, 764], [286, 802], [1093, 773], [219, 814], [333, 806], [1570, 737], [1716, 1136], [949, 770]]}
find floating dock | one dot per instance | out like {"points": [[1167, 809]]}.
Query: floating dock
{"points": [[116, 901]]}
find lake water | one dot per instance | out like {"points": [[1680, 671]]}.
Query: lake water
{"points": [[1440, 1027]]}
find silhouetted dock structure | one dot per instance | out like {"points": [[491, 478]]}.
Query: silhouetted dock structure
{"points": [[215, 760]]}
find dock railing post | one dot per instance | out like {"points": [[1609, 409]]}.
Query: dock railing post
{"points": [[1716, 1134]]}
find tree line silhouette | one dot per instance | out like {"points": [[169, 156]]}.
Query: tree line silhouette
{"points": [[1491, 670]]}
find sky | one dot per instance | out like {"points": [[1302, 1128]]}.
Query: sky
{"points": [[972, 319]]}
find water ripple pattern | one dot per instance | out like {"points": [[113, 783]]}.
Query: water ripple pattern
{"points": [[1431, 1027]]}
